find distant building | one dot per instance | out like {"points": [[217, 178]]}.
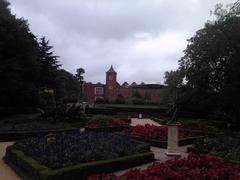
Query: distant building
{"points": [[112, 90]]}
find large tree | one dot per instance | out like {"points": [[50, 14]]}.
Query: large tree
{"points": [[211, 64], [18, 60]]}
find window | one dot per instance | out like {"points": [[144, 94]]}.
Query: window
{"points": [[110, 87], [110, 78], [98, 90]]}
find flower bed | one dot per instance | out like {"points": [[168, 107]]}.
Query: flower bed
{"points": [[106, 123], [222, 146], [157, 135], [64, 156], [157, 132], [63, 150], [195, 166]]}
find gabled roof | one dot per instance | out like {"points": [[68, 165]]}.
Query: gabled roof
{"points": [[111, 70]]}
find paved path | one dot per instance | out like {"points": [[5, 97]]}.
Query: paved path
{"points": [[160, 156], [6, 173], [143, 121], [159, 153]]}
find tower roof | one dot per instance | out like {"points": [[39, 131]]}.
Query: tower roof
{"points": [[111, 70]]}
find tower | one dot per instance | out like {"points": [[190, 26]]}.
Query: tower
{"points": [[111, 83]]}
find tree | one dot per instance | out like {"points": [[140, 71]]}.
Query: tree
{"points": [[19, 67], [68, 86], [210, 64], [80, 78], [49, 64]]}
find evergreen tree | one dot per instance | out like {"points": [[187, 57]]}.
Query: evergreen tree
{"points": [[49, 64], [80, 78]]}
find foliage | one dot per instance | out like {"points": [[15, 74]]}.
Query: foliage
{"points": [[79, 76], [29, 124], [48, 64], [67, 150], [152, 132], [19, 64], [195, 166], [68, 86], [210, 67], [28, 65], [106, 121], [222, 146]]}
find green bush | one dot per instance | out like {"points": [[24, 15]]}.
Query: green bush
{"points": [[222, 146]]}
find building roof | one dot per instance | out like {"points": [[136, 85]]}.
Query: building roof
{"points": [[111, 70]]}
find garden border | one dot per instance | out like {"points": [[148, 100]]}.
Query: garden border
{"points": [[194, 150], [17, 135], [29, 168], [107, 129], [164, 144]]}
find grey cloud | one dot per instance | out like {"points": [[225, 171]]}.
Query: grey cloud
{"points": [[141, 38]]}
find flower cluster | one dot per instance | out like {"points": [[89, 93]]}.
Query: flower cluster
{"points": [[110, 122], [70, 149], [195, 166], [156, 132]]}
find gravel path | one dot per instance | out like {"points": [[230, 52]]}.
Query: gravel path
{"points": [[6, 173], [143, 121]]}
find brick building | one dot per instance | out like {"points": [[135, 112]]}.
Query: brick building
{"points": [[112, 90]]}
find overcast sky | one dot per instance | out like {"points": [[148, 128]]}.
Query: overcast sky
{"points": [[141, 38]]}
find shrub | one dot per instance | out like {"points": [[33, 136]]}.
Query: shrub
{"points": [[195, 166], [222, 146]]}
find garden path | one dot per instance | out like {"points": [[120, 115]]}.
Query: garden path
{"points": [[160, 156], [143, 121], [159, 153], [6, 173]]}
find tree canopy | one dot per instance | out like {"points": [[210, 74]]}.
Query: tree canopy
{"points": [[210, 65], [28, 65]]}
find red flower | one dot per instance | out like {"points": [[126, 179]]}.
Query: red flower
{"points": [[195, 167]]}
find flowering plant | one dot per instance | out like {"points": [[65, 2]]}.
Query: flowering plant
{"points": [[71, 149], [156, 132], [194, 167], [105, 121]]}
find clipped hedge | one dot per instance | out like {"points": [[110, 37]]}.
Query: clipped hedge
{"points": [[29, 168], [164, 144], [17, 135], [104, 111], [203, 151], [107, 129]]}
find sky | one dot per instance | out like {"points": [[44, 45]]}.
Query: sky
{"points": [[142, 39]]}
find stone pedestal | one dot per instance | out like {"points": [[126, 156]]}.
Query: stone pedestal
{"points": [[173, 149]]}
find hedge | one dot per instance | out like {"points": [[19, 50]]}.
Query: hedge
{"points": [[28, 168], [104, 111], [16, 135], [195, 150], [164, 144], [107, 129]]}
